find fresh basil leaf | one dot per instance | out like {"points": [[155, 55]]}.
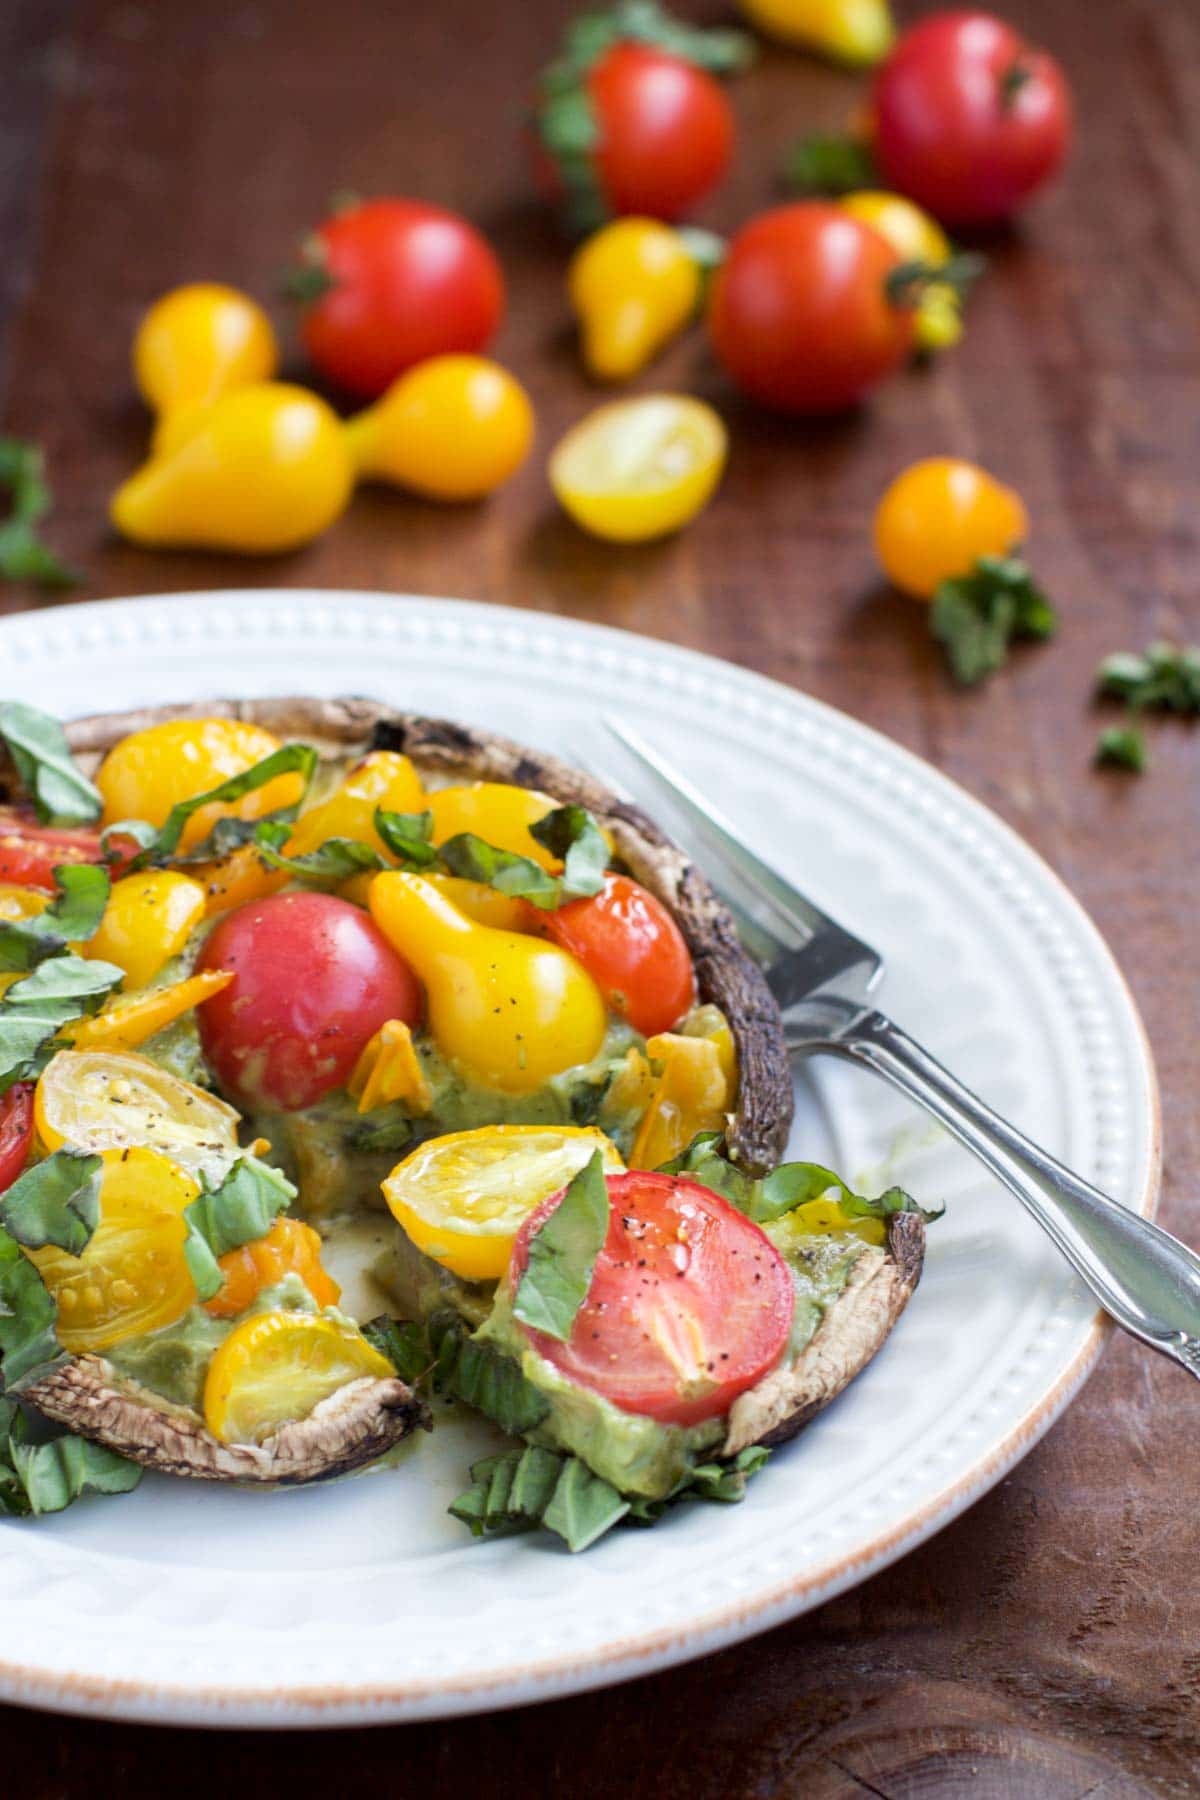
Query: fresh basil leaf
{"points": [[331, 863], [56, 1202], [571, 833], [240, 1211], [38, 747], [408, 836], [975, 616], [404, 1343], [73, 917], [1122, 747], [562, 1255], [722, 1482], [55, 1473], [517, 876], [142, 833], [28, 1343], [583, 1506], [826, 163], [493, 1384], [788, 1186], [60, 990], [1163, 678], [289, 759]]}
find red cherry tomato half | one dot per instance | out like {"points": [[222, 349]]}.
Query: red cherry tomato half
{"points": [[666, 131], [408, 281], [690, 1303], [16, 1131], [968, 118], [30, 853], [800, 313], [314, 979], [633, 950]]}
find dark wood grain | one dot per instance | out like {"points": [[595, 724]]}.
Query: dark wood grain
{"points": [[1049, 1642]]}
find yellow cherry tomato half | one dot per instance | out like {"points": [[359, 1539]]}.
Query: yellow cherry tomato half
{"points": [[278, 1366], [463, 1198], [132, 1277], [199, 340], [148, 919], [938, 517], [453, 428], [147, 773], [638, 469], [115, 1099]]}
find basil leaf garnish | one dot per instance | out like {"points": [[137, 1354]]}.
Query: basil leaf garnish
{"points": [[56, 1202], [38, 747], [331, 863], [55, 1473], [408, 836], [60, 990], [788, 1186], [974, 616], [571, 833], [289, 759], [493, 1384], [403, 1342], [562, 1255], [517, 876], [73, 917], [240, 1211], [28, 1343]]}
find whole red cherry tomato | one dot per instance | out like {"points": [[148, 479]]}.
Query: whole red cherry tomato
{"points": [[801, 314], [690, 1304], [314, 979], [632, 949], [30, 853], [16, 1131], [968, 118], [630, 120], [406, 281]]}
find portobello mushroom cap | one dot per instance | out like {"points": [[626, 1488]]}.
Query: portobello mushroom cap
{"points": [[363, 1419]]}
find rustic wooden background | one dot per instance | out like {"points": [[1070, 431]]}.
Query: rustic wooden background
{"points": [[1049, 1642]]}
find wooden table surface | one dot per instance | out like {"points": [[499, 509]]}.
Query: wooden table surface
{"points": [[1049, 1641]]}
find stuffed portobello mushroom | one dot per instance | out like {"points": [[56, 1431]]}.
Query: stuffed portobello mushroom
{"points": [[352, 1060]]}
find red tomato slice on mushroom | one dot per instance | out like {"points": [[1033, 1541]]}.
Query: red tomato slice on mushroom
{"points": [[690, 1302]]}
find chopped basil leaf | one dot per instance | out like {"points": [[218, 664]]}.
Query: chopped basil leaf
{"points": [[493, 1384], [73, 917], [825, 163], [975, 616], [331, 863], [28, 1344], [53, 1474], [408, 836], [240, 1211], [38, 747], [583, 1506], [788, 1186], [56, 1202], [404, 1343], [518, 876], [289, 759], [562, 1255], [1162, 679], [722, 1482], [1122, 747], [60, 990], [571, 833]]}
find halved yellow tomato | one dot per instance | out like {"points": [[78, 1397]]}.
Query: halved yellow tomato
{"points": [[637, 469], [463, 1198], [132, 1277], [496, 811], [277, 1367], [148, 919], [113, 1099], [384, 778]]}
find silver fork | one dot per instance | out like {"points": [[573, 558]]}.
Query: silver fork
{"points": [[824, 978]]}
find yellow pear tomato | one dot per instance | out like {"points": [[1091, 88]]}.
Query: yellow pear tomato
{"points": [[463, 1198], [855, 32], [638, 469], [148, 919], [495, 811], [452, 428], [197, 342], [633, 285], [938, 517], [147, 773], [132, 1277], [384, 778]]}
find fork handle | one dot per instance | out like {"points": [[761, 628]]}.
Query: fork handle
{"points": [[1147, 1280]]}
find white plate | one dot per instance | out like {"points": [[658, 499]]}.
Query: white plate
{"points": [[364, 1602]]}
